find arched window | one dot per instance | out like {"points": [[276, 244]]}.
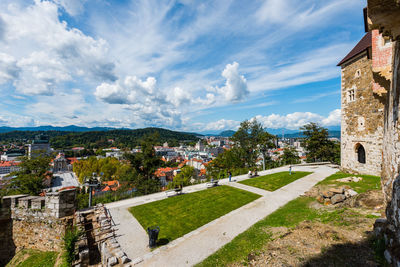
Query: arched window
{"points": [[361, 154]]}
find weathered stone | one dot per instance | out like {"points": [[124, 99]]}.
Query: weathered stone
{"points": [[336, 190], [327, 194], [350, 193], [338, 198], [327, 201], [320, 199], [112, 261]]}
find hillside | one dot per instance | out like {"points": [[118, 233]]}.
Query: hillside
{"points": [[99, 139]]}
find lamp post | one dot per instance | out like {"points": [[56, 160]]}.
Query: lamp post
{"points": [[91, 182]]}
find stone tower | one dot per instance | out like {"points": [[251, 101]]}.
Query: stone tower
{"points": [[362, 112]]}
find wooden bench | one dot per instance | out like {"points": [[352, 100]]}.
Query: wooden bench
{"points": [[173, 192], [212, 183]]}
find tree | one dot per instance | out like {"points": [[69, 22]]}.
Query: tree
{"points": [[317, 144], [183, 178], [290, 156], [145, 164], [251, 140], [30, 179]]}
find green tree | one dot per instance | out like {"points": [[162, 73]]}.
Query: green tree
{"points": [[318, 146], [183, 178], [251, 140], [30, 179], [145, 164], [290, 156]]}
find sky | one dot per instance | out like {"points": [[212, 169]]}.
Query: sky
{"points": [[183, 65]]}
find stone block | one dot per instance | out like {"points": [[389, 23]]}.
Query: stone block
{"points": [[38, 203], [112, 261], [14, 199], [336, 190], [327, 194], [327, 201], [320, 199], [338, 198], [350, 193]]}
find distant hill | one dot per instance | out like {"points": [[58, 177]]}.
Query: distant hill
{"points": [[332, 133], [227, 133], [98, 138], [70, 128]]}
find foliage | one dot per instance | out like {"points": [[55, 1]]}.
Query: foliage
{"points": [[111, 168], [317, 144], [70, 238], [272, 182], [290, 156], [179, 215], [31, 176], [144, 165], [33, 258], [183, 178], [250, 140]]}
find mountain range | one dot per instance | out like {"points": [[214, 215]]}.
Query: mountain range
{"points": [[334, 131]]}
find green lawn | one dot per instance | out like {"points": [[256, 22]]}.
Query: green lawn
{"points": [[294, 212], [179, 215], [369, 182], [35, 258], [272, 182]]}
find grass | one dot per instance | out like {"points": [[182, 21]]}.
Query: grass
{"points": [[272, 182], [369, 182], [256, 237], [34, 258], [179, 215]]}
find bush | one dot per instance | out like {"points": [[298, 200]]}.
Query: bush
{"points": [[71, 236]]}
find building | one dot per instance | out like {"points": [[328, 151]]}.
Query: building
{"points": [[13, 155], [361, 111], [60, 164], [7, 167], [40, 145], [381, 19]]}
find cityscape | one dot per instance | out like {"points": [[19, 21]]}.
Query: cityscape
{"points": [[180, 133]]}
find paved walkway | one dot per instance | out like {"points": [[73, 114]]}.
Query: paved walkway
{"points": [[204, 241]]}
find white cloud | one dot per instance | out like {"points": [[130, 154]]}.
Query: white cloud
{"points": [[275, 11], [72, 7], [333, 119], [222, 125], [8, 68], [47, 51], [235, 88], [298, 119]]}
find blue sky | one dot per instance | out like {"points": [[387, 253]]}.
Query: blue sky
{"points": [[183, 65]]}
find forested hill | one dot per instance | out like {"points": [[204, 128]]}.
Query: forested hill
{"points": [[100, 139]]}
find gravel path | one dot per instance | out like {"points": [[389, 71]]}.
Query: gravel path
{"points": [[204, 241]]}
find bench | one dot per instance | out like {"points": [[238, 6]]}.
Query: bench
{"points": [[173, 192], [212, 183]]}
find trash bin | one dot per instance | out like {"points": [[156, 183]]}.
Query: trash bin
{"points": [[153, 235]]}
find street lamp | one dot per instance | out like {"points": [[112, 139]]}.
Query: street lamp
{"points": [[91, 182]]}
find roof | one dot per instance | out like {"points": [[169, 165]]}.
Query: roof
{"points": [[8, 163], [360, 47]]}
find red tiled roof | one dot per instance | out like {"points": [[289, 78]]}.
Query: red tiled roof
{"points": [[361, 46], [8, 163]]}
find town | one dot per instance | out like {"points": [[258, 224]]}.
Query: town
{"points": [[221, 133]]}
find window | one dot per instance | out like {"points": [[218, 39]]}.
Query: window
{"points": [[351, 95], [361, 154]]}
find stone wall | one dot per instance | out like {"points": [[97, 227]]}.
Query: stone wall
{"points": [[35, 222], [383, 15], [362, 118]]}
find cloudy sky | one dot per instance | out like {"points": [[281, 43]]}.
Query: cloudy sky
{"points": [[184, 65]]}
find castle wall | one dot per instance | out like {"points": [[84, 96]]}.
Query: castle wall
{"points": [[34, 222], [362, 118], [383, 15]]}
